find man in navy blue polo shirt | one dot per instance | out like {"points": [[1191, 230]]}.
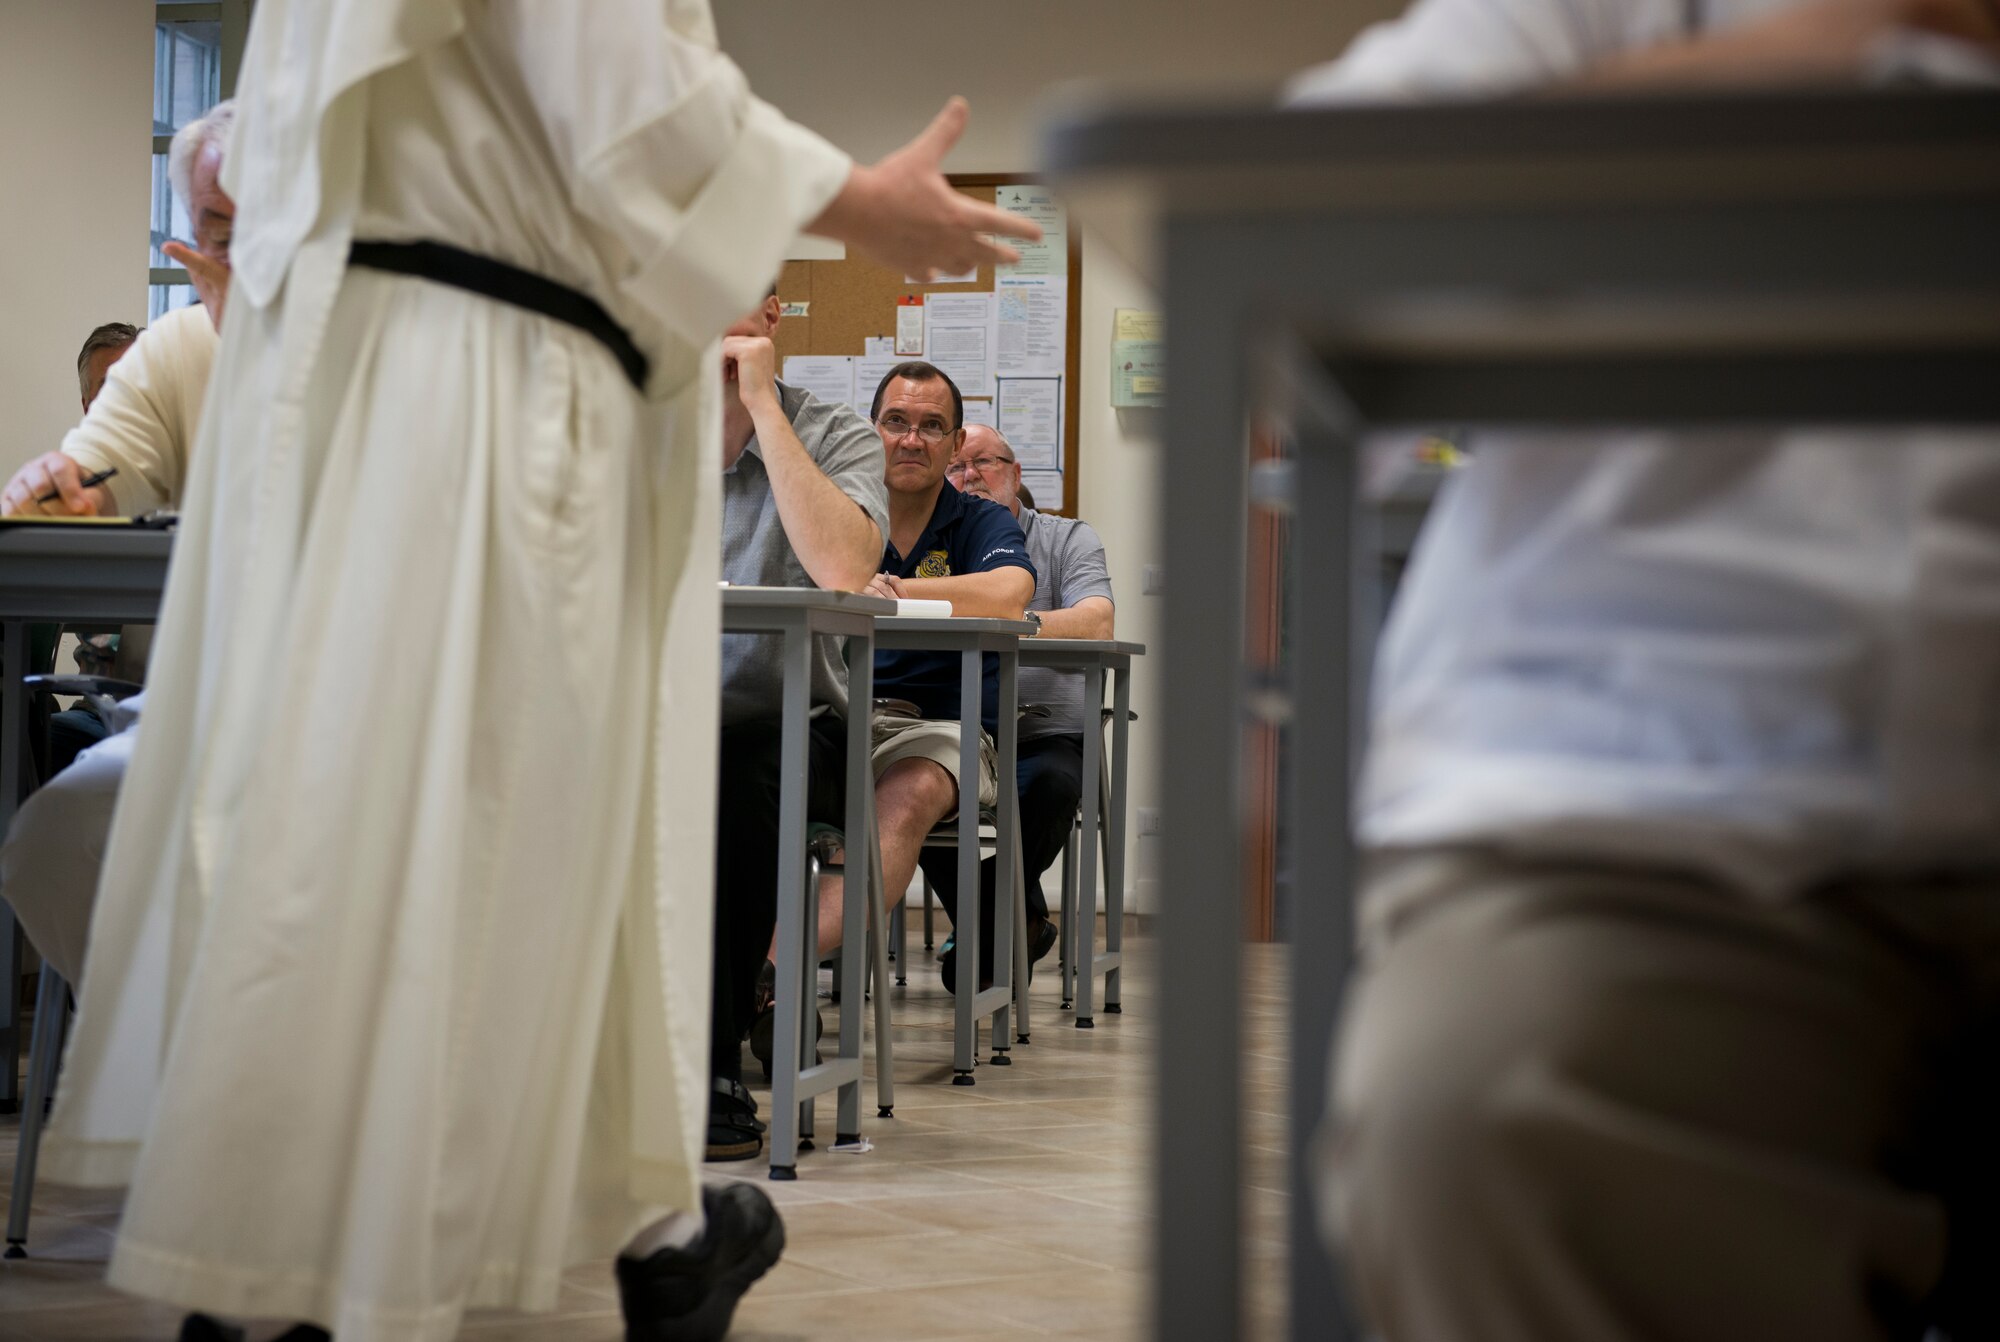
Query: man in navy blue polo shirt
{"points": [[943, 545]]}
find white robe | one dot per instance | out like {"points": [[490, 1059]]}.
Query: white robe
{"points": [[399, 978]]}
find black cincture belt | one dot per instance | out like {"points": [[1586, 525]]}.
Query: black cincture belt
{"points": [[508, 284]]}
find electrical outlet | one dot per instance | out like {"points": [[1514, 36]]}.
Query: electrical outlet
{"points": [[1155, 580], [1149, 820]]}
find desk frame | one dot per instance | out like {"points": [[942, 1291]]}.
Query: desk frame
{"points": [[1863, 223], [1093, 659], [972, 639], [798, 617], [56, 575]]}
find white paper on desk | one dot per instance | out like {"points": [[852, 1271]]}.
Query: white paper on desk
{"points": [[959, 339], [910, 608], [1050, 256], [1032, 320], [1029, 412], [827, 376]]}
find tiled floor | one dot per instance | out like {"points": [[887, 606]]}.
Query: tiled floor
{"points": [[1015, 1207]]}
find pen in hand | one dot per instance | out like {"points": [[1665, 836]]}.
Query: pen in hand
{"points": [[90, 481]]}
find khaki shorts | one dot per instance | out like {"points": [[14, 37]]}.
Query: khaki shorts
{"points": [[899, 736]]}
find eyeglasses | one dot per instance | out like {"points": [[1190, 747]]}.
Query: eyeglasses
{"points": [[895, 426], [984, 465]]}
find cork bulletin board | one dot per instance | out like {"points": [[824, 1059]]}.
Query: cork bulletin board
{"points": [[1018, 370]]}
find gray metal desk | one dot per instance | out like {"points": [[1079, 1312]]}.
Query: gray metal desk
{"points": [[1094, 658], [1705, 259], [798, 616], [53, 575], [972, 639]]}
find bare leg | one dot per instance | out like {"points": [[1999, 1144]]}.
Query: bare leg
{"points": [[911, 797]]}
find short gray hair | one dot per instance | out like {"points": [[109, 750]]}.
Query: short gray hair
{"points": [[111, 335], [994, 429], [210, 128]]}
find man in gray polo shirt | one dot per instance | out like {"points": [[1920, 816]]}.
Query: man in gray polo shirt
{"points": [[1072, 600], [803, 505]]}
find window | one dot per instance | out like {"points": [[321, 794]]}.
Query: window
{"points": [[196, 45]]}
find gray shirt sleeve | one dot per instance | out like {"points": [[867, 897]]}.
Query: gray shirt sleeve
{"points": [[1069, 561], [1069, 567], [849, 453]]}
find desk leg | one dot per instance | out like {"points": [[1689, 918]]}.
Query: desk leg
{"points": [[1197, 1273], [1329, 678], [858, 911], [1114, 848], [1087, 851], [13, 760], [1006, 857], [791, 1046], [965, 1045]]}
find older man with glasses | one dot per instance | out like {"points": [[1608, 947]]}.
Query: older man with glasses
{"points": [[943, 545], [1072, 600]]}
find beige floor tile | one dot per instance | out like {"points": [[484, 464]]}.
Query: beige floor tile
{"points": [[112, 1319], [1017, 1207], [928, 1259]]}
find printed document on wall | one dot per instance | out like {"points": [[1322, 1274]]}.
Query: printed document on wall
{"points": [[878, 357], [1047, 487], [827, 376], [958, 338], [1033, 320], [1029, 413], [1050, 256]]}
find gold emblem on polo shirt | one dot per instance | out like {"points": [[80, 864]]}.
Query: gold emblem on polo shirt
{"points": [[937, 564]]}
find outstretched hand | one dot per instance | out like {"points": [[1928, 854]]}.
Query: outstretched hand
{"points": [[902, 213], [210, 277]]}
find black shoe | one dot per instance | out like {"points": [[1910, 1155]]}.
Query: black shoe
{"points": [[763, 1036], [734, 1130], [690, 1295], [1041, 940], [201, 1328]]}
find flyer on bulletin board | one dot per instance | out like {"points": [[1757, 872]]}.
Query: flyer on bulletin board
{"points": [[1048, 257], [1028, 412]]}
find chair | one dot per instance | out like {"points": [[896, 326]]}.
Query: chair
{"points": [[899, 935], [1114, 937], [792, 1127], [52, 995], [1014, 943]]}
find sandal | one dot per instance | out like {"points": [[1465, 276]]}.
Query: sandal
{"points": [[734, 1131]]}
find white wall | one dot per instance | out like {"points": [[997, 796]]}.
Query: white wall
{"points": [[868, 74], [76, 96]]}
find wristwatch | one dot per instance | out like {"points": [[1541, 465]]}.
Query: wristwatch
{"points": [[1034, 618]]}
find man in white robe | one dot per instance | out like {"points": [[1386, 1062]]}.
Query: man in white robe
{"points": [[398, 985], [140, 423]]}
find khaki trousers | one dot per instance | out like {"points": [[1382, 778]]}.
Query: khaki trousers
{"points": [[1586, 1104]]}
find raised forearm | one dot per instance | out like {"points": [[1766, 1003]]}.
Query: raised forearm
{"points": [[838, 543]]}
